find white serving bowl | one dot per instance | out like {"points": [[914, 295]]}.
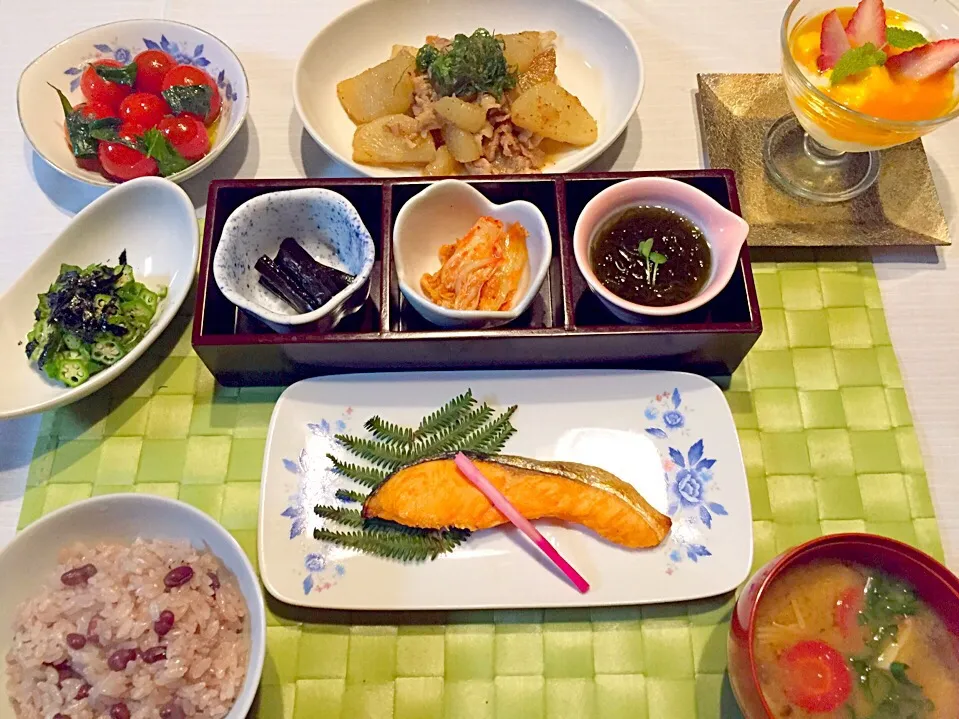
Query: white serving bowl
{"points": [[32, 558], [725, 233], [441, 214], [324, 223], [150, 218], [41, 116], [596, 60]]}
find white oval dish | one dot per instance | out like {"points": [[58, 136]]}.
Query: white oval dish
{"points": [[150, 218], [441, 214], [41, 116], [32, 557], [596, 60], [725, 233], [324, 223]]}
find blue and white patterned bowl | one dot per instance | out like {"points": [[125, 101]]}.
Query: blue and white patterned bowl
{"points": [[327, 226], [62, 65]]}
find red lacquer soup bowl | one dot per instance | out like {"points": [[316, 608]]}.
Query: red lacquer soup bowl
{"points": [[936, 586]]}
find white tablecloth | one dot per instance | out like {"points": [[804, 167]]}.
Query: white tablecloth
{"points": [[678, 38]]}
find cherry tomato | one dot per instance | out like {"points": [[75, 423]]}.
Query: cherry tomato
{"points": [[815, 676], [189, 75], [96, 89], [152, 67], [143, 109], [187, 134], [846, 612], [123, 163]]}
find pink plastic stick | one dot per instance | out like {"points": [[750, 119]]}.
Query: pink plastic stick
{"points": [[474, 475]]}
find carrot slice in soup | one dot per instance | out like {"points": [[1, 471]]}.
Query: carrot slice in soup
{"points": [[815, 676]]}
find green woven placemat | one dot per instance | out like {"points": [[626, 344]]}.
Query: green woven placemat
{"points": [[828, 443]]}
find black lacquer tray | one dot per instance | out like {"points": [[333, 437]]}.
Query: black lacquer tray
{"points": [[565, 326]]}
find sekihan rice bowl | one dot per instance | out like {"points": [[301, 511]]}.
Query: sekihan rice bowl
{"points": [[133, 629]]}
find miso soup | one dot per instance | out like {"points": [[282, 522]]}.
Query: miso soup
{"points": [[839, 640]]}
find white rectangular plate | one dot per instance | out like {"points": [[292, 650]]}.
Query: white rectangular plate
{"points": [[669, 434]]}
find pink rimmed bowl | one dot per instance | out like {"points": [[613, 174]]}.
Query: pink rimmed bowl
{"points": [[725, 234]]}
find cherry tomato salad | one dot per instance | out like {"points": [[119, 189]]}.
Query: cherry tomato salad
{"points": [[89, 319], [150, 117]]}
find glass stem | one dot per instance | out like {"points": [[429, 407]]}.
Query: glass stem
{"points": [[819, 153]]}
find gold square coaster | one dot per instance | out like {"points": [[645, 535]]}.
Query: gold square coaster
{"points": [[902, 208]]}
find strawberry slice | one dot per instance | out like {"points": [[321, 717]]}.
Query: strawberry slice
{"points": [[922, 62], [868, 24], [832, 43]]}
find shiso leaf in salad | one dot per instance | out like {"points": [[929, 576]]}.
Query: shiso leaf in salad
{"points": [[89, 319], [192, 99], [82, 129], [471, 65], [123, 75]]}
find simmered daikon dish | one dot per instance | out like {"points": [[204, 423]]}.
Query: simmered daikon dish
{"points": [[477, 104], [842, 641]]}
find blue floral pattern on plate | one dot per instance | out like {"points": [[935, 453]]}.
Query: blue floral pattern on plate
{"points": [[180, 51], [320, 571], [689, 477]]}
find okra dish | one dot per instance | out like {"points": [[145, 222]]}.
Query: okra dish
{"points": [[89, 319]]}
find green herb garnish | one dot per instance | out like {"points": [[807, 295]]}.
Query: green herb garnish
{"points": [[471, 65], [903, 39], [857, 60], [83, 130], [459, 425], [194, 99], [169, 161], [651, 261], [123, 75]]}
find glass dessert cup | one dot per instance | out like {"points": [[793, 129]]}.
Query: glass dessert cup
{"points": [[825, 151]]}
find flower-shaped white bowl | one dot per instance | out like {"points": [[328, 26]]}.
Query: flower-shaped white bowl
{"points": [[596, 60], [444, 212], [32, 556], [150, 218], [725, 233], [324, 223], [62, 65]]}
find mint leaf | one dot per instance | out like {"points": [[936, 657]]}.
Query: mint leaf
{"points": [[645, 247], [657, 258], [124, 75], [900, 37], [194, 99], [169, 161], [856, 60]]}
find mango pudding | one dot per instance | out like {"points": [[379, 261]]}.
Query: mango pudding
{"points": [[883, 65]]}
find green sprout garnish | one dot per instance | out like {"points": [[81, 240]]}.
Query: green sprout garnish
{"points": [[471, 65], [651, 261]]}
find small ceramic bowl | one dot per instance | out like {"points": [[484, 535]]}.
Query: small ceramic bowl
{"points": [[150, 218], [444, 212], [41, 116], [325, 224], [725, 233], [33, 556], [935, 584]]}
